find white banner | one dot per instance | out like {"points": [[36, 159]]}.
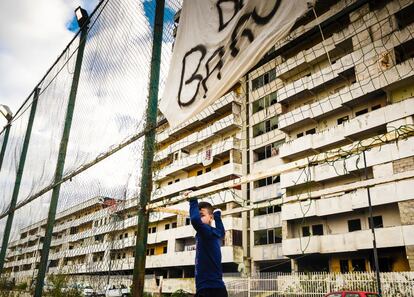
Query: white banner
{"points": [[217, 42]]}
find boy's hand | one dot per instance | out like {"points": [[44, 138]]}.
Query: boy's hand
{"points": [[185, 195]]}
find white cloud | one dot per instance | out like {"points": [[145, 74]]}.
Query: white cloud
{"points": [[32, 36]]}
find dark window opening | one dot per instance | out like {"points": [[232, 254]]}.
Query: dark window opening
{"points": [[354, 225], [404, 51], [361, 112], [358, 265], [377, 222], [344, 266], [375, 107], [305, 231], [404, 16], [311, 131], [342, 120], [317, 229]]}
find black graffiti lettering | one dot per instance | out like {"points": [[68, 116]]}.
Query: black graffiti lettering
{"points": [[219, 65], [238, 4], [215, 62], [245, 33], [263, 20], [195, 76]]}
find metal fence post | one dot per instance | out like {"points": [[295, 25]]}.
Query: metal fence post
{"points": [[4, 145], [60, 164], [19, 174], [146, 176]]}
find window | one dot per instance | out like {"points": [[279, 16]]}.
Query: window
{"points": [[174, 225], [154, 229], [310, 131], [375, 107], [267, 210], [120, 236], [269, 236], [344, 266], [266, 126], [377, 222], [266, 181], [404, 51], [226, 162], [305, 231], [175, 156], [264, 102], [354, 225], [278, 235], [164, 250], [208, 169], [268, 151], [358, 265], [317, 229], [126, 235], [177, 180], [361, 112], [263, 79], [342, 120], [299, 135], [187, 221], [199, 172], [170, 182], [167, 226]]}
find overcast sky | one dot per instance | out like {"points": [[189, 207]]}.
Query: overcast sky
{"points": [[32, 36]]}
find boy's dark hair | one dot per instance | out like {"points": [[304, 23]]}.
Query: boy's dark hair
{"points": [[205, 205]]}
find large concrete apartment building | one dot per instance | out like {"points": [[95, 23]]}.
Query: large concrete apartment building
{"points": [[338, 82]]}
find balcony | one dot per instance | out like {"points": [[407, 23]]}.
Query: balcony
{"points": [[230, 254], [377, 155], [268, 221], [192, 160], [267, 252], [225, 124], [266, 192], [381, 194], [348, 130], [205, 115], [350, 242], [365, 87], [230, 223], [224, 172], [342, 67]]}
